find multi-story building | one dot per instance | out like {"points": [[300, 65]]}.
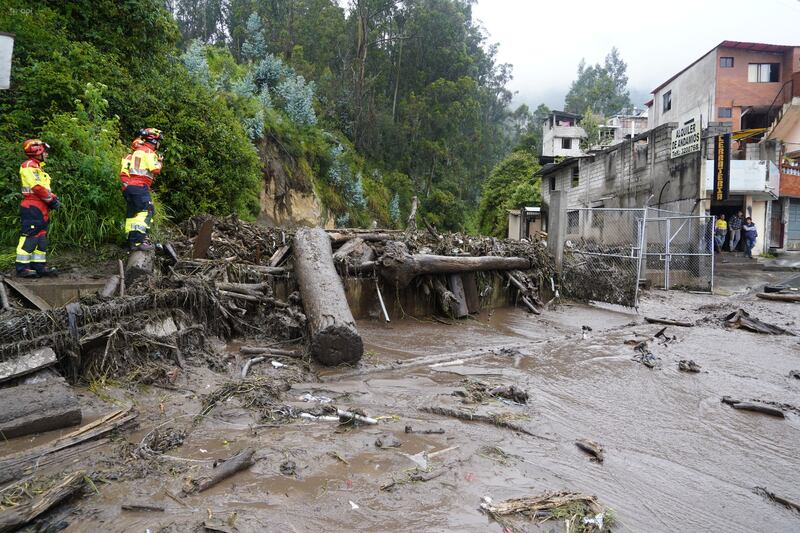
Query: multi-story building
{"points": [[735, 82], [745, 89], [561, 136], [622, 125]]}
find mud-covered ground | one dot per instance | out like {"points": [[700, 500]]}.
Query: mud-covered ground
{"points": [[676, 457]]}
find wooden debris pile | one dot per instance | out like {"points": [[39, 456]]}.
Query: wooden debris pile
{"points": [[579, 512]]}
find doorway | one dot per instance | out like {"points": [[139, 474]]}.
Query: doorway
{"points": [[729, 208]]}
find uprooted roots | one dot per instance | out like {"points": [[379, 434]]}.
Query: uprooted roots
{"points": [[260, 393]]}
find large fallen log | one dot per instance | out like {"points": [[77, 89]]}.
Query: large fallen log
{"points": [[333, 336], [400, 267], [15, 517], [37, 407]]}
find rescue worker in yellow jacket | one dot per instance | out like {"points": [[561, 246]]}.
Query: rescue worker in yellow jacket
{"points": [[137, 174], [34, 212]]}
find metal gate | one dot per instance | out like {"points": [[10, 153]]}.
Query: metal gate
{"points": [[609, 252], [678, 250], [603, 255]]}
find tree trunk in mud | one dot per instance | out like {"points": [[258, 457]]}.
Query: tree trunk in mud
{"points": [[37, 408], [400, 267], [334, 339], [140, 265], [460, 309]]}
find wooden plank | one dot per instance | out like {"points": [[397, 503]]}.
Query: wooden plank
{"points": [[28, 295], [203, 240], [14, 517], [470, 281], [459, 307], [27, 363], [280, 255]]}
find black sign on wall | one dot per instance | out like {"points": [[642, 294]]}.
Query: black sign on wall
{"points": [[722, 166]]}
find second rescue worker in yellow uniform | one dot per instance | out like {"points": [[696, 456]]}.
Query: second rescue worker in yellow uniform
{"points": [[137, 174]]}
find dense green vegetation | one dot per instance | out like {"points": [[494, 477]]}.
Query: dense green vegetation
{"points": [[368, 105]]}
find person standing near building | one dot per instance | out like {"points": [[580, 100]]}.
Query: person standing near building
{"points": [[34, 212], [735, 230], [720, 232], [750, 235], [137, 177]]}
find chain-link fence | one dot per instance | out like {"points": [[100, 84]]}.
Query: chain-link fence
{"points": [[678, 250], [608, 252], [602, 255]]}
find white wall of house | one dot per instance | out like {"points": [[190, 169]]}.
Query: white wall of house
{"points": [[692, 94], [552, 140]]}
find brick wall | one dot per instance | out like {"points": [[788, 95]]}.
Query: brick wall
{"points": [[790, 185], [734, 91]]}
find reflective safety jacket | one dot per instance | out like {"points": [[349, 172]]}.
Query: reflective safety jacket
{"points": [[35, 186], [143, 167], [124, 171]]}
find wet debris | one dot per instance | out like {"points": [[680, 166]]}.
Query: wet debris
{"points": [[142, 507], [669, 322], [479, 392], [645, 356], [414, 476], [26, 501], [585, 332], [688, 365], [794, 374], [222, 471], [387, 441], [160, 440], [580, 512], [756, 407], [410, 429], [592, 448], [288, 468], [741, 319], [499, 420], [790, 504], [218, 525]]}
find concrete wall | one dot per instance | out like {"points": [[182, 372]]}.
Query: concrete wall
{"points": [[551, 140], [627, 174], [757, 210], [693, 93]]}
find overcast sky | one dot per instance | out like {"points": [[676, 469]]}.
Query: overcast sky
{"points": [[546, 40]]}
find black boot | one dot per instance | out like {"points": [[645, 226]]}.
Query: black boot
{"points": [[27, 273]]}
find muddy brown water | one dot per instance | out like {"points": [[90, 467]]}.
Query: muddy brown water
{"points": [[676, 458]]}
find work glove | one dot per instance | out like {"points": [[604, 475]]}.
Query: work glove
{"points": [[55, 204]]}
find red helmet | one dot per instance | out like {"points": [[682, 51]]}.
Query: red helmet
{"points": [[35, 147], [150, 135]]}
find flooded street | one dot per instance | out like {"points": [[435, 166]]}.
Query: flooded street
{"points": [[676, 457]]}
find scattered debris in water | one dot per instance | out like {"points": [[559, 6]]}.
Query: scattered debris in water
{"points": [[753, 406], [592, 448], [688, 365], [762, 491], [742, 319], [579, 512]]}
